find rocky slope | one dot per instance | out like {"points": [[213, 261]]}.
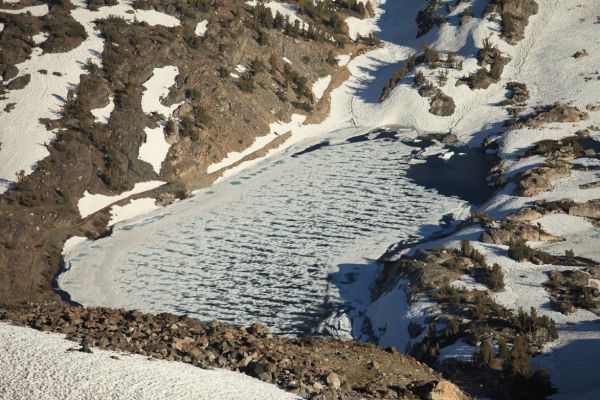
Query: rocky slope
{"points": [[312, 368]]}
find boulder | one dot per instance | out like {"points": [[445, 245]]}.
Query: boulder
{"points": [[19, 83], [538, 180], [591, 209], [446, 390], [510, 232], [525, 215], [9, 72], [441, 105], [333, 380]]}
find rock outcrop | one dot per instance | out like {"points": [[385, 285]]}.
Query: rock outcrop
{"points": [[591, 209], [510, 232], [538, 180]]}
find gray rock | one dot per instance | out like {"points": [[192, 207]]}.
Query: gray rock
{"points": [[19, 83]]}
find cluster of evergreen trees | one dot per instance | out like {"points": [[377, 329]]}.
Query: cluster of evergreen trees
{"points": [[263, 18], [326, 21]]}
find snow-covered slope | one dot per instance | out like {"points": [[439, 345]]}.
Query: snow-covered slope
{"points": [[544, 61], [37, 365]]}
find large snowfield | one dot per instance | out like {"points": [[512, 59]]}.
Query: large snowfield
{"points": [[290, 188], [46, 366]]}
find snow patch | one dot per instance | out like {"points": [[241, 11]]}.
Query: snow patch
{"points": [[276, 129], [155, 149], [40, 38], [466, 282], [285, 9], [134, 209], [90, 203], [201, 28], [36, 11], [459, 350], [102, 115], [343, 59], [391, 314], [241, 68], [320, 86], [157, 88]]}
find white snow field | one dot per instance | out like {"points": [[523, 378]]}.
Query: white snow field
{"points": [[132, 209], [37, 365], [21, 134]]}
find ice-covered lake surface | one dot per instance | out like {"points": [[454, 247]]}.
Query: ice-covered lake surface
{"points": [[260, 246]]}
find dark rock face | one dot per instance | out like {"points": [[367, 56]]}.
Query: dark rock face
{"points": [[309, 367], [19, 83], [8, 72]]}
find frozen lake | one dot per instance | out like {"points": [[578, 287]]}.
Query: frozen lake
{"points": [[260, 246]]}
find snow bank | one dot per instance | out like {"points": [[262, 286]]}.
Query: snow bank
{"points": [[157, 88], [102, 114], [155, 149], [391, 314], [39, 365], [460, 350], [320, 86], [36, 11], [73, 242], [201, 28], [360, 27], [343, 59], [276, 129], [134, 209], [90, 203]]}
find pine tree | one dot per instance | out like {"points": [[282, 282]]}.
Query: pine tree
{"points": [[496, 278], [519, 359], [485, 355]]}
